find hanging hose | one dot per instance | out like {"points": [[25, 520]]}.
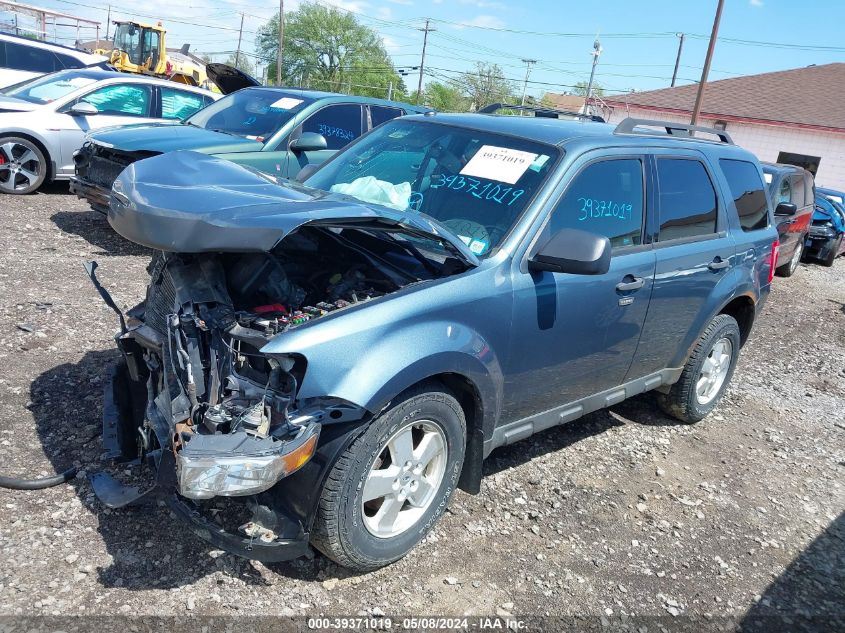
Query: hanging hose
{"points": [[37, 484]]}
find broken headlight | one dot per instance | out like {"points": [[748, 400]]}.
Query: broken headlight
{"points": [[204, 474]]}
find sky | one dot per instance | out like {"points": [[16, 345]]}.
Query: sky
{"points": [[639, 39]]}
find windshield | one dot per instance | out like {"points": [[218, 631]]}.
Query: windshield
{"points": [[255, 113], [475, 183], [51, 87]]}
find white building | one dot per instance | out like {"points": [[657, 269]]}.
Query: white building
{"points": [[791, 116]]}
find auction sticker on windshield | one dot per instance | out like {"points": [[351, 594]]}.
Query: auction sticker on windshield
{"points": [[286, 103], [499, 163]]}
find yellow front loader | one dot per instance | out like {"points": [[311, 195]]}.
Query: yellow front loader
{"points": [[140, 48]]}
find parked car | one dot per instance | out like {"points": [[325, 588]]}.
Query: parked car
{"points": [[328, 362], [44, 121], [792, 190], [276, 130], [825, 240], [22, 58]]}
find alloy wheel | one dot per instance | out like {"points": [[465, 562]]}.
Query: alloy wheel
{"points": [[714, 370], [404, 479], [20, 167]]}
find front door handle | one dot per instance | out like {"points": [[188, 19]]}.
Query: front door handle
{"points": [[633, 283], [718, 263]]}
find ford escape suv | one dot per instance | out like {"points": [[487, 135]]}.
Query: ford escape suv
{"points": [[327, 362]]}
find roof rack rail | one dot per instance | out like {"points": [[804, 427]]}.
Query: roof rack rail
{"points": [[630, 125], [550, 113]]}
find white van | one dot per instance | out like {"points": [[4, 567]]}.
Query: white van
{"points": [[22, 58]]}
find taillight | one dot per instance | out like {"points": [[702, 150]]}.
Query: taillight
{"points": [[774, 259]]}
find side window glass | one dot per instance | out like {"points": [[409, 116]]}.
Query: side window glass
{"points": [[809, 189], [687, 199], [3, 55], [380, 114], [178, 104], [798, 190], [31, 59], [784, 192], [748, 192], [66, 61], [339, 124], [605, 198], [121, 100]]}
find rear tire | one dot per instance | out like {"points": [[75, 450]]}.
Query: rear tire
{"points": [[706, 373], [832, 253], [789, 268], [23, 166], [406, 465]]}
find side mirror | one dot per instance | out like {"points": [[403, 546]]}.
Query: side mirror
{"points": [[83, 108], [575, 252], [309, 142], [786, 209], [306, 172]]}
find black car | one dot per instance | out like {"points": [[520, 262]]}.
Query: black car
{"points": [[792, 190]]}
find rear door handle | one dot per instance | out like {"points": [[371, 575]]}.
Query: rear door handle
{"points": [[718, 263], [634, 283]]}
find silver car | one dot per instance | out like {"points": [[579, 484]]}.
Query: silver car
{"points": [[44, 121]]}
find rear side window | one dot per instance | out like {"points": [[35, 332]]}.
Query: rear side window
{"points": [[687, 199], [339, 124], [179, 104], [748, 192], [28, 58], [380, 114], [798, 190], [66, 61], [605, 198]]}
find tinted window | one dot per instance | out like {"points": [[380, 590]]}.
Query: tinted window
{"points": [[31, 59], [68, 62], [798, 190], [380, 114], [687, 199], [340, 124], [179, 104], [120, 99], [748, 192], [605, 198], [3, 55]]}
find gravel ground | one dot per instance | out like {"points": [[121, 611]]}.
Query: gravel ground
{"points": [[625, 512]]}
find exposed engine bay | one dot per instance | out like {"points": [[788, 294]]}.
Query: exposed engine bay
{"points": [[205, 403]]}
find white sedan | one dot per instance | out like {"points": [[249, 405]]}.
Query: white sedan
{"points": [[44, 121]]}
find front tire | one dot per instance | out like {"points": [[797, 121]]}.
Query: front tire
{"points": [[832, 253], [388, 489], [706, 374], [23, 166], [789, 268]]}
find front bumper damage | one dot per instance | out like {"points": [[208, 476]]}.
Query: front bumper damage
{"points": [[242, 469]]}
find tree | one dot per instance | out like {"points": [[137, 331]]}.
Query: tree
{"points": [[327, 49], [485, 85], [444, 98], [581, 89], [244, 65]]}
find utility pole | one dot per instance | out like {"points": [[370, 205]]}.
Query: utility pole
{"points": [[527, 63], [422, 60], [108, 22], [280, 55], [678, 58], [596, 53], [390, 91], [240, 37], [706, 70]]}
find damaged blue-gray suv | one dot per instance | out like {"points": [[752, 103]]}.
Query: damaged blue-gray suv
{"points": [[325, 363]]}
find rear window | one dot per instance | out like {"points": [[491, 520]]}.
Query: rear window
{"points": [[748, 192], [687, 200]]}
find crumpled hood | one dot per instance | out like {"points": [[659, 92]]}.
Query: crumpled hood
{"points": [[189, 202], [833, 216], [167, 137]]}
